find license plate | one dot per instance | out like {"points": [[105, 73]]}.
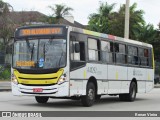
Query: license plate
{"points": [[37, 90]]}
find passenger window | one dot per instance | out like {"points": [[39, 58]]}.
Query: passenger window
{"points": [[77, 51], [93, 49], [77, 55], [133, 55], [120, 53], [143, 56], [106, 51], [105, 46], [74, 55]]}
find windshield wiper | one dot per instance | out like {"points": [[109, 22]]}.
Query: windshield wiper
{"points": [[27, 41], [61, 57], [44, 51], [30, 49]]}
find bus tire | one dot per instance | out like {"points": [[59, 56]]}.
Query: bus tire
{"points": [[131, 96], [132, 92], [89, 98], [122, 97], [41, 99], [75, 98], [98, 97]]}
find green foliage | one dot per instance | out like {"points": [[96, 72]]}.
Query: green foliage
{"points": [[1, 46], [146, 33], [5, 7], [110, 22], [157, 67], [136, 21], [99, 22], [6, 74], [107, 21], [59, 11]]}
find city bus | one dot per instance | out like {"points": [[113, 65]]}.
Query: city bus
{"points": [[60, 61]]}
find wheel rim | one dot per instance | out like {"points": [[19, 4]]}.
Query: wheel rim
{"points": [[91, 94]]}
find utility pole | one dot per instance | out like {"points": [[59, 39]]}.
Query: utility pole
{"points": [[127, 16]]}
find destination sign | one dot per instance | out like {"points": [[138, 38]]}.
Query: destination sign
{"points": [[25, 63], [40, 31]]}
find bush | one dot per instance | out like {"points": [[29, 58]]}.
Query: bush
{"points": [[6, 73]]}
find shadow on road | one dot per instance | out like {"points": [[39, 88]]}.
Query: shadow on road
{"points": [[63, 103], [58, 104]]}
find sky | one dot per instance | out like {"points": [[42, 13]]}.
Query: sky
{"points": [[82, 8]]}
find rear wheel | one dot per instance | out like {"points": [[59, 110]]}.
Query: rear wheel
{"points": [[40, 99], [131, 96], [89, 98], [132, 92]]}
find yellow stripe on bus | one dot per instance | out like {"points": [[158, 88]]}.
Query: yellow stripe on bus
{"points": [[38, 78], [91, 33]]}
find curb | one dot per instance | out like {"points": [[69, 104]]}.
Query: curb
{"points": [[5, 86], [156, 86], [3, 90]]}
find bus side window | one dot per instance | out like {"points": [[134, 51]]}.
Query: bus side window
{"points": [[93, 49], [120, 53], [77, 55], [133, 55], [116, 47], [146, 55], [105, 48], [80, 55], [150, 59], [74, 54], [143, 56], [107, 51]]}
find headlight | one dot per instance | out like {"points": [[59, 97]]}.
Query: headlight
{"points": [[62, 79], [14, 79]]}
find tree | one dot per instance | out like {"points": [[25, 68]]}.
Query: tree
{"points": [[5, 7], [6, 25], [136, 22], [110, 22], [100, 21], [147, 34], [156, 45], [59, 11]]}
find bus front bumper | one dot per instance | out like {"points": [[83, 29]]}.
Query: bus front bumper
{"points": [[52, 90]]}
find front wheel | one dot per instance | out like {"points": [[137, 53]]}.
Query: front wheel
{"points": [[98, 97], [89, 98], [40, 99]]}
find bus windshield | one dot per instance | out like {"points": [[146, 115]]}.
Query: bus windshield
{"points": [[39, 53]]}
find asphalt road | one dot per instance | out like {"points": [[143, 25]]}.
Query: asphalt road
{"points": [[144, 102]]}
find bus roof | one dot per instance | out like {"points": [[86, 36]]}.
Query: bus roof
{"points": [[111, 37], [88, 32]]}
